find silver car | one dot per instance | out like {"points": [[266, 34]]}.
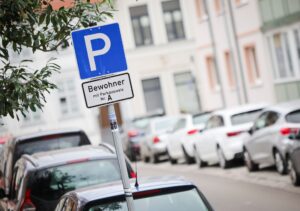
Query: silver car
{"points": [[153, 144], [268, 143], [39, 180], [161, 194]]}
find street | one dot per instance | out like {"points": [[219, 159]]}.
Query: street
{"points": [[234, 189]]}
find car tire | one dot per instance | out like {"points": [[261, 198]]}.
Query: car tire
{"points": [[251, 166], [294, 176], [223, 163], [280, 163], [154, 158], [200, 163], [172, 160], [188, 159]]}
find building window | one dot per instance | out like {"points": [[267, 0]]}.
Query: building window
{"points": [[281, 55], [252, 65], [218, 7], [173, 20], [212, 73], [187, 94], [200, 9], [297, 40], [153, 95], [68, 98], [141, 25], [229, 69]]}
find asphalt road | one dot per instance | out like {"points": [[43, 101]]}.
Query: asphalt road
{"points": [[234, 189]]}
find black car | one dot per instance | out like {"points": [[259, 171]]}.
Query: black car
{"points": [[152, 194], [294, 159], [33, 143]]}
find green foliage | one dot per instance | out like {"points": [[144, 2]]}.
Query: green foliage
{"points": [[36, 25]]}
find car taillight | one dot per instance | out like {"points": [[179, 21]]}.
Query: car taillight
{"points": [[287, 131], [191, 132], [230, 134], [132, 133], [132, 174], [156, 140], [27, 204], [146, 193]]}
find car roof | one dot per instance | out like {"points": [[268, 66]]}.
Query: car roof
{"points": [[285, 107], [116, 188], [46, 133], [240, 109], [63, 156]]}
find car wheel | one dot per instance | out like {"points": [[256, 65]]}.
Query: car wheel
{"points": [[280, 164], [153, 158], [200, 163], [188, 159], [222, 160], [172, 160], [251, 166], [295, 177]]}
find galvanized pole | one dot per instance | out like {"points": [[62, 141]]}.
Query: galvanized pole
{"points": [[238, 52], [231, 55], [120, 155], [215, 58]]}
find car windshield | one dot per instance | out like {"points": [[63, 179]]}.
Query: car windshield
{"points": [[48, 143], [293, 117], [245, 117], [189, 200], [164, 125], [200, 119], [50, 184]]}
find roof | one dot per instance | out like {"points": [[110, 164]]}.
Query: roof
{"points": [[285, 107], [59, 157], [46, 133], [240, 109], [116, 188]]}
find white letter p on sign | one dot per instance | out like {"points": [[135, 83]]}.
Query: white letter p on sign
{"points": [[92, 54]]}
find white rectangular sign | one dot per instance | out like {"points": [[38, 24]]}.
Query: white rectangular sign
{"points": [[107, 90]]}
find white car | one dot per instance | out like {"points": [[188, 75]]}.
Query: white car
{"points": [[221, 141], [269, 138], [153, 144], [180, 144]]}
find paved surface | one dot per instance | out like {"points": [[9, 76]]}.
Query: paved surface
{"points": [[234, 189]]}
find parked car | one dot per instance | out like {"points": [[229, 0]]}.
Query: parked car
{"points": [[179, 145], [293, 159], [221, 141], [39, 180], [163, 194], [267, 143], [37, 142], [153, 144], [131, 132]]}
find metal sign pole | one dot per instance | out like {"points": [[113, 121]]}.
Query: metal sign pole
{"points": [[120, 155]]}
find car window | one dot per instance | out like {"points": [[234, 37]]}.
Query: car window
{"points": [[181, 123], [52, 142], [178, 201], [52, 183], [200, 119], [260, 121], [164, 125], [271, 118], [293, 117], [245, 117], [215, 122]]}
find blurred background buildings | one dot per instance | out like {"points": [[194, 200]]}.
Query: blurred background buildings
{"points": [[184, 56]]}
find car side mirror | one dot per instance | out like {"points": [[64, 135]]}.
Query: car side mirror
{"points": [[2, 193]]}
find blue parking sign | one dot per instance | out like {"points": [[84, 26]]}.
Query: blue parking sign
{"points": [[99, 50]]}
